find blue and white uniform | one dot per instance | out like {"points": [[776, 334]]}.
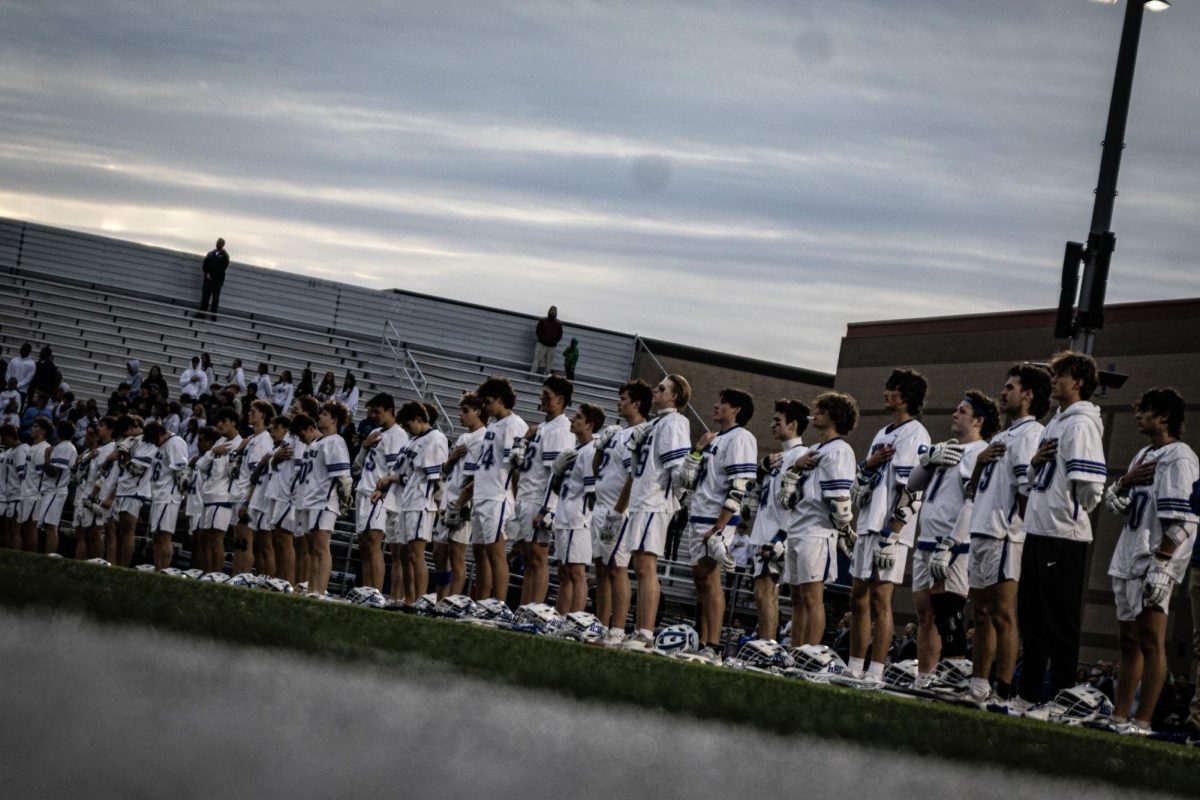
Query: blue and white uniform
{"points": [[876, 516]]}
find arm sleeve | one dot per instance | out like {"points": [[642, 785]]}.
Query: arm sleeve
{"points": [[1083, 454], [337, 457], [1174, 487], [836, 473], [919, 478], [671, 442], [905, 457], [1018, 453], [743, 458]]}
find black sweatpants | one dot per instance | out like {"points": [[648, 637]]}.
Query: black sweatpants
{"points": [[1049, 607], [210, 290]]}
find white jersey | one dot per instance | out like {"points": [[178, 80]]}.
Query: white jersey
{"points": [[262, 499], [492, 472], [131, 484], [194, 505], [214, 478], [1164, 499], [1001, 483], [107, 476], [732, 455], [256, 447], [282, 395], [62, 458], [906, 438], [832, 477], [285, 477], [458, 476], [551, 438], [325, 460], [661, 453], [574, 509], [18, 468], [615, 463], [1053, 509], [769, 520], [172, 456], [35, 465], [421, 463], [945, 495], [381, 458]]}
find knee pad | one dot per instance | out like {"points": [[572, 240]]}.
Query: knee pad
{"points": [[441, 577], [948, 615]]}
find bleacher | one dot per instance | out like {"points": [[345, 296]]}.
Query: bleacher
{"points": [[125, 306]]}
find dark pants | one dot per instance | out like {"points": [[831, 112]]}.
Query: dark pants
{"points": [[211, 289], [1049, 607]]}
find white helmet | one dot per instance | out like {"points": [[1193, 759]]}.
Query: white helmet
{"points": [[278, 585], [1079, 704], [762, 654], [536, 618], [246, 580], [215, 577], [195, 573], [145, 568], [582, 626], [954, 673], [100, 562], [677, 639], [491, 609], [367, 596], [815, 662], [174, 572], [426, 606], [455, 605], [901, 674]]}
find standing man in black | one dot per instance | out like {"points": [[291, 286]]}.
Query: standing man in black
{"points": [[215, 264], [549, 333]]}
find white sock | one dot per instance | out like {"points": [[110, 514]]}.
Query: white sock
{"points": [[980, 686], [855, 666], [875, 671], [646, 633], [924, 679]]}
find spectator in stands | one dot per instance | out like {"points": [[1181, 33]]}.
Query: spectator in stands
{"points": [[11, 413], [305, 387], [840, 641], [193, 383], [216, 263], [118, 401], [173, 420], [263, 382], [905, 647], [155, 385], [87, 414], [10, 393], [134, 367], [209, 373], [237, 376], [284, 392], [46, 375], [328, 389], [349, 395], [549, 332], [39, 406], [62, 402], [571, 358], [22, 369]]}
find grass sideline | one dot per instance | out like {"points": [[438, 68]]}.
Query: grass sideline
{"points": [[774, 704]]}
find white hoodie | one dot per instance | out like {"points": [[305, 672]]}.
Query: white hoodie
{"points": [[1055, 507]]}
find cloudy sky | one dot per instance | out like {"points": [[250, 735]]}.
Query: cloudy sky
{"points": [[747, 176]]}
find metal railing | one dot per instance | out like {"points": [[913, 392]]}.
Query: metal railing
{"points": [[404, 362], [640, 344]]}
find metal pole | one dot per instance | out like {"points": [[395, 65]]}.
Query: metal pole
{"points": [[1100, 238]]}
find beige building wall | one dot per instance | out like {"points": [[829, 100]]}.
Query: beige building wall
{"points": [[1155, 344]]}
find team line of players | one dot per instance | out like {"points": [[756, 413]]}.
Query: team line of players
{"points": [[999, 515]]}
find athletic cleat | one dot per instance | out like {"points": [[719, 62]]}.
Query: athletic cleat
{"points": [[638, 643], [1130, 728], [997, 705], [865, 682], [710, 654]]}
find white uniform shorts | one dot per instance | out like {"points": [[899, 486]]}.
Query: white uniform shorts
{"points": [[647, 531], [809, 559], [692, 541], [573, 546], [615, 554], [519, 527], [315, 519], [444, 535], [488, 518], [216, 517], [1130, 600], [956, 577], [993, 560], [413, 526], [83, 517], [163, 517], [862, 564], [369, 516], [128, 505], [260, 519], [283, 516], [10, 508], [50, 508]]}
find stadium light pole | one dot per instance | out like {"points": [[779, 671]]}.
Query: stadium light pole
{"points": [[1096, 255]]}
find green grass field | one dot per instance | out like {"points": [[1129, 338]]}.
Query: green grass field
{"points": [[350, 634]]}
